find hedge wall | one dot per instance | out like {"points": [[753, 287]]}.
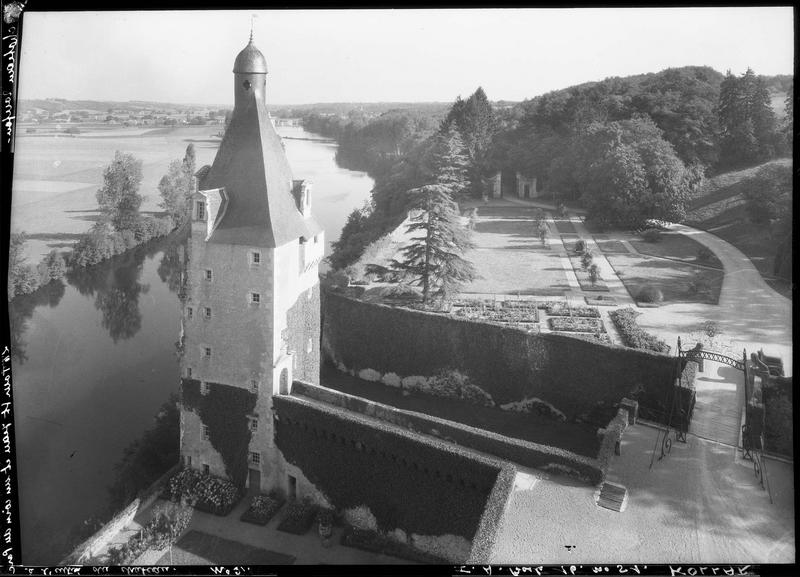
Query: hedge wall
{"points": [[409, 482], [779, 427], [522, 452], [486, 536], [224, 411], [575, 375]]}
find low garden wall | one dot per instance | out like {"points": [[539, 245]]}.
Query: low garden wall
{"points": [[522, 452], [574, 375], [94, 544], [428, 493]]}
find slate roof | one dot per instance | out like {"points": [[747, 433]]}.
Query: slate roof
{"points": [[251, 165]]}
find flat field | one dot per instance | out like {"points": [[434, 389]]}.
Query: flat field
{"points": [[56, 177]]}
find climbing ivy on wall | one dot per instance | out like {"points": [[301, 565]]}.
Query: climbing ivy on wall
{"points": [[224, 411]]}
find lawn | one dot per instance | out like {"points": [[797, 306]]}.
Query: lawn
{"points": [[672, 278], [675, 246], [578, 438], [606, 244], [509, 257], [197, 548], [564, 226]]}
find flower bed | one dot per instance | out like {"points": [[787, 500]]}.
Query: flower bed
{"points": [[600, 300], [561, 309], [633, 335], [299, 518], [204, 492], [263, 508], [504, 315], [577, 324], [375, 543]]}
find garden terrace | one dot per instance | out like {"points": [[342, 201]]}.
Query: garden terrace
{"points": [[510, 364], [420, 485]]}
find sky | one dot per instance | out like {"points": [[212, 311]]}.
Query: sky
{"points": [[386, 55]]}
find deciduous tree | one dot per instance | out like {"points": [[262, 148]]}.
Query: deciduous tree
{"points": [[119, 198]]}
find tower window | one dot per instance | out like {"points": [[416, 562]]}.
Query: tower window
{"points": [[207, 352], [310, 345], [188, 372], [253, 425], [255, 458], [209, 274], [255, 298], [206, 469], [189, 312], [205, 432], [208, 312], [246, 84], [255, 258], [201, 210]]}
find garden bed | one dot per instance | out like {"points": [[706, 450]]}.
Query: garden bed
{"points": [[564, 225], [263, 508], [583, 276], [577, 324], [299, 518], [633, 335], [677, 246], [563, 309], [373, 542], [205, 492]]}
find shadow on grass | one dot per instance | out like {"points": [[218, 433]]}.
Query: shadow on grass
{"points": [[197, 548]]}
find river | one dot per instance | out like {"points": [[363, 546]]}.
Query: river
{"points": [[95, 355]]}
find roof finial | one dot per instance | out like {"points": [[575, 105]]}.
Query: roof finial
{"points": [[252, 18]]}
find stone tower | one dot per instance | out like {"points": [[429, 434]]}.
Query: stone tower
{"points": [[251, 321]]}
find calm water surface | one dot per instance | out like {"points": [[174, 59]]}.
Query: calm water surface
{"points": [[95, 359]]}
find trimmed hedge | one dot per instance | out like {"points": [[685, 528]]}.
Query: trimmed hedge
{"points": [[509, 363], [577, 324], [263, 508], [224, 411], [778, 425], [299, 518], [407, 481], [526, 453], [373, 542], [633, 335], [486, 536]]}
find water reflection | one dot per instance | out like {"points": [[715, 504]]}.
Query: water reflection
{"points": [[171, 267], [21, 309]]}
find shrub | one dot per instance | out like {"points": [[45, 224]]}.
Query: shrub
{"points": [[594, 274], [455, 385], [633, 335], [650, 294], [206, 492], [586, 260], [263, 508], [651, 235], [580, 246], [299, 518], [705, 254]]}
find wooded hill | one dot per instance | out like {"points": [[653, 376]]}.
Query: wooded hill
{"points": [[628, 149]]}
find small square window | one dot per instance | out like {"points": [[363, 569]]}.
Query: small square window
{"points": [[204, 388], [189, 312], [205, 432], [255, 458], [253, 425], [255, 298], [209, 274], [207, 352], [255, 258], [208, 312], [206, 469]]}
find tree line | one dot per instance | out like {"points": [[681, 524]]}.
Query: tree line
{"points": [[627, 149], [120, 228]]}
